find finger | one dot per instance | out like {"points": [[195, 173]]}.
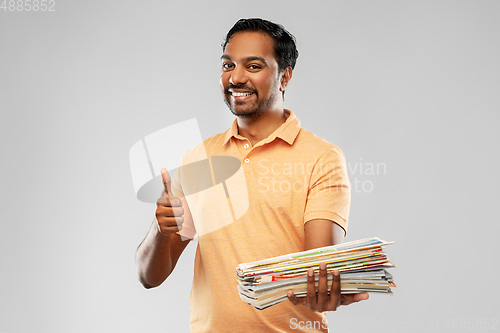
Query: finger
{"points": [[322, 287], [167, 201], [335, 296], [169, 224], [311, 290], [353, 298], [169, 211], [294, 299], [168, 230], [166, 182], [169, 221], [361, 297]]}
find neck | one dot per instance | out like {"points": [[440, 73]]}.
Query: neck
{"points": [[258, 129]]}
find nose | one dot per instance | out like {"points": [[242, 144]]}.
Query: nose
{"points": [[238, 76]]}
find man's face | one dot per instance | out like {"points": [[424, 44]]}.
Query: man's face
{"points": [[249, 81]]}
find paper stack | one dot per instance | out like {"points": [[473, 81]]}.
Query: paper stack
{"points": [[361, 264]]}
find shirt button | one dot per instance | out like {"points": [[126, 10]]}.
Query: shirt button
{"points": [[246, 146], [247, 160]]}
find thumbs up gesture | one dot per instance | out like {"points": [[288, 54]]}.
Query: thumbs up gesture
{"points": [[169, 209]]}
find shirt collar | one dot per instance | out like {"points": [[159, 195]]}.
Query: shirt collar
{"points": [[288, 131]]}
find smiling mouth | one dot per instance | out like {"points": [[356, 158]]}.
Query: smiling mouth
{"points": [[239, 94]]}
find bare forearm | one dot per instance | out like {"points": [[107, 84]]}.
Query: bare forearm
{"points": [[154, 258], [157, 255], [319, 233]]}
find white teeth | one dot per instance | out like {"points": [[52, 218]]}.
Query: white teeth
{"points": [[237, 94]]}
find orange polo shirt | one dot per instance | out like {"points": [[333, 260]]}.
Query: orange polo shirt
{"points": [[257, 209]]}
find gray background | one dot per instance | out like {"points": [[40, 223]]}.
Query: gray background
{"points": [[412, 86]]}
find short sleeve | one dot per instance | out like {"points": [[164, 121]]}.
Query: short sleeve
{"points": [[329, 194]]}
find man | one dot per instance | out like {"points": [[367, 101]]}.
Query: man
{"points": [[298, 194]]}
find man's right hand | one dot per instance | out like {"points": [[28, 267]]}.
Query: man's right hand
{"points": [[169, 209]]}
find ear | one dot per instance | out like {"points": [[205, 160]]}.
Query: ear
{"points": [[286, 76]]}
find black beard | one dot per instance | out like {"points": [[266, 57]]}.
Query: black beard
{"points": [[260, 108], [252, 115]]}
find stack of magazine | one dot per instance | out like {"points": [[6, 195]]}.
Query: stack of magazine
{"points": [[362, 265]]}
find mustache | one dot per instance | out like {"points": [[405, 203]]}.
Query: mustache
{"points": [[239, 86]]}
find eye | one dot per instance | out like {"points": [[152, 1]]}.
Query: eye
{"points": [[254, 67], [226, 66]]}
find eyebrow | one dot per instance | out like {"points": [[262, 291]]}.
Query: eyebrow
{"points": [[247, 59]]}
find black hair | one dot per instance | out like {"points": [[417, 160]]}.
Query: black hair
{"points": [[285, 49]]}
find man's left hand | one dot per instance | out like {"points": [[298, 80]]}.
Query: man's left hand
{"points": [[322, 301]]}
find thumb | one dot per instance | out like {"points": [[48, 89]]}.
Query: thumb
{"points": [[166, 182]]}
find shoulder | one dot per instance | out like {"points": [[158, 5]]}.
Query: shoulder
{"points": [[317, 145]]}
